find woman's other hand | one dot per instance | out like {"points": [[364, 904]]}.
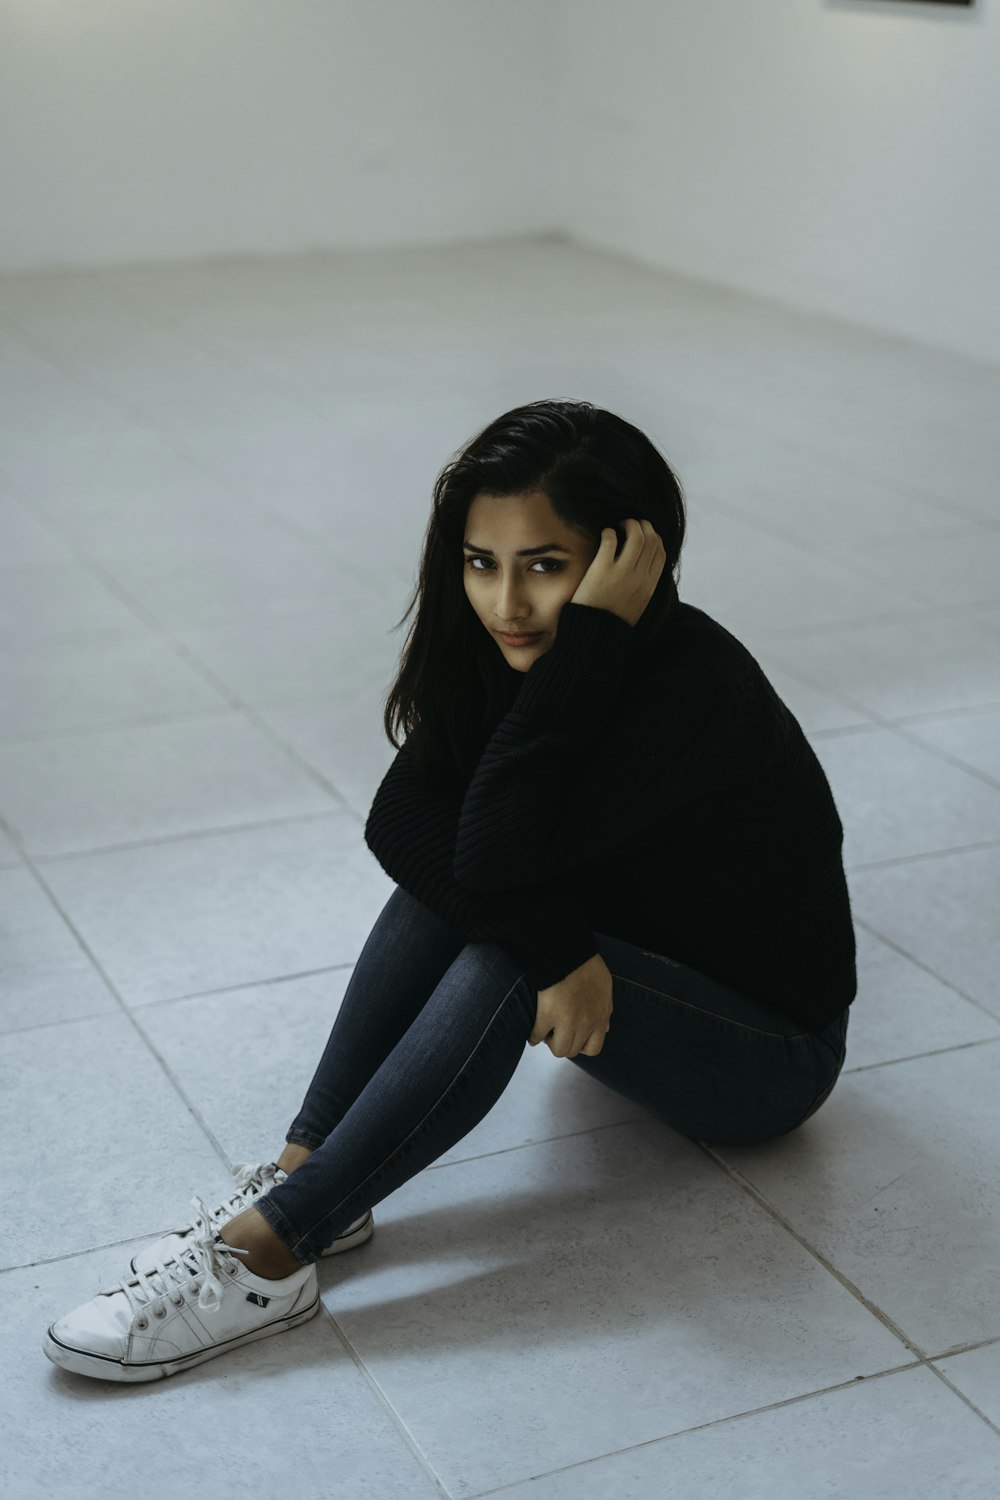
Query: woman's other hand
{"points": [[624, 584], [575, 1014]]}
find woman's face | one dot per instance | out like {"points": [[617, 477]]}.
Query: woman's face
{"points": [[516, 593]]}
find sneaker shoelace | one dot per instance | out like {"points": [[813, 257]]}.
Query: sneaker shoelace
{"points": [[252, 1181], [206, 1260]]}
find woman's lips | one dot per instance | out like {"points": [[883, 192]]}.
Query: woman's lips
{"points": [[519, 640]]}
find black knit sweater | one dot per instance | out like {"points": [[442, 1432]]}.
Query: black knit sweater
{"points": [[651, 787]]}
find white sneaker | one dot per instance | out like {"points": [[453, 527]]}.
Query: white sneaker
{"points": [[252, 1182], [180, 1314]]}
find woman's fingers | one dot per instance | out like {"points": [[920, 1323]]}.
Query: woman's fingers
{"points": [[589, 1043], [594, 1043]]}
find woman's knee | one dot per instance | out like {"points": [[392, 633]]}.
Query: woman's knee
{"points": [[492, 973]]}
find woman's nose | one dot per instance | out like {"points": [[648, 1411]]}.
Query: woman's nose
{"points": [[509, 601]]}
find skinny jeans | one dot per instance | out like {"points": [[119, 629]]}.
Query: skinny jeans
{"points": [[431, 1029]]}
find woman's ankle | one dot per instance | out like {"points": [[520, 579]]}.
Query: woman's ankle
{"points": [[293, 1156], [265, 1254]]}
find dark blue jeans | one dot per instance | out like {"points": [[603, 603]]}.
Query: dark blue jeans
{"points": [[431, 1029]]}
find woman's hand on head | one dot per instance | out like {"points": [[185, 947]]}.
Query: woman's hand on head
{"points": [[625, 584], [575, 1014]]}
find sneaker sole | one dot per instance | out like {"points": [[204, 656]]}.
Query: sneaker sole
{"points": [[105, 1368], [358, 1236]]}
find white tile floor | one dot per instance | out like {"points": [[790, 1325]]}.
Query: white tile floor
{"points": [[214, 480]]}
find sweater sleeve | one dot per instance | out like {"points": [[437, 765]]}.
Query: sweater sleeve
{"points": [[578, 765], [411, 830]]}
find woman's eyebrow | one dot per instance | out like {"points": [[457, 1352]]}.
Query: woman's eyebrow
{"points": [[525, 551]]}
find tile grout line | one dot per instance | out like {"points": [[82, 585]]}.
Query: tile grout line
{"points": [[745, 1185], [862, 867], [966, 1400], [395, 1418], [148, 422], [892, 1062], [670, 1437], [889, 942], [923, 1358], [188, 835], [230, 698], [126, 1011]]}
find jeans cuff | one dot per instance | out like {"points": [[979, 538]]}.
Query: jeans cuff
{"points": [[282, 1229]]}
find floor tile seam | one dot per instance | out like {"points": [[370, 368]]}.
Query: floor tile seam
{"points": [[219, 351], [55, 1260], [235, 702], [947, 1354], [877, 472], [952, 522], [545, 1140], [137, 415], [146, 721], [872, 718], [912, 738], [230, 698], [190, 835], [773, 636], [873, 931], [97, 636], [235, 989], [394, 1417], [973, 711], [842, 558], [902, 721], [904, 731], [669, 1437], [91, 1015], [167, 1000], [966, 1400], [741, 1181], [894, 1062], [864, 866], [850, 465], [124, 1010], [168, 434]]}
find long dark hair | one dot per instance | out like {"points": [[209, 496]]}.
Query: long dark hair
{"points": [[597, 469]]}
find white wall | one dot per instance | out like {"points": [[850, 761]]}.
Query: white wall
{"points": [[134, 129], [837, 154], [841, 155]]}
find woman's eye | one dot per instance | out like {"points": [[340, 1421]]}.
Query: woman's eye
{"points": [[549, 564]]}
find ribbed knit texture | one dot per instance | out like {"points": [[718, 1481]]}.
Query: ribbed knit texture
{"points": [[652, 788]]}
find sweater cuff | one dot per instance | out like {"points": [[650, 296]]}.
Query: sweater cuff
{"points": [[572, 686], [549, 950]]}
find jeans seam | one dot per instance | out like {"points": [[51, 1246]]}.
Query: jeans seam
{"points": [[422, 1123]]}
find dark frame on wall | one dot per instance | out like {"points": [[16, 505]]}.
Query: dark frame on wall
{"points": [[944, 2]]}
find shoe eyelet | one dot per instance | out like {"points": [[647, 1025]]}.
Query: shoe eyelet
{"points": [[142, 1323], [234, 1270], [178, 1301], [159, 1312]]}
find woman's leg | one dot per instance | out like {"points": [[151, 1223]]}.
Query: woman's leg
{"points": [[406, 953], [715, 1064], [398, 1095]]}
